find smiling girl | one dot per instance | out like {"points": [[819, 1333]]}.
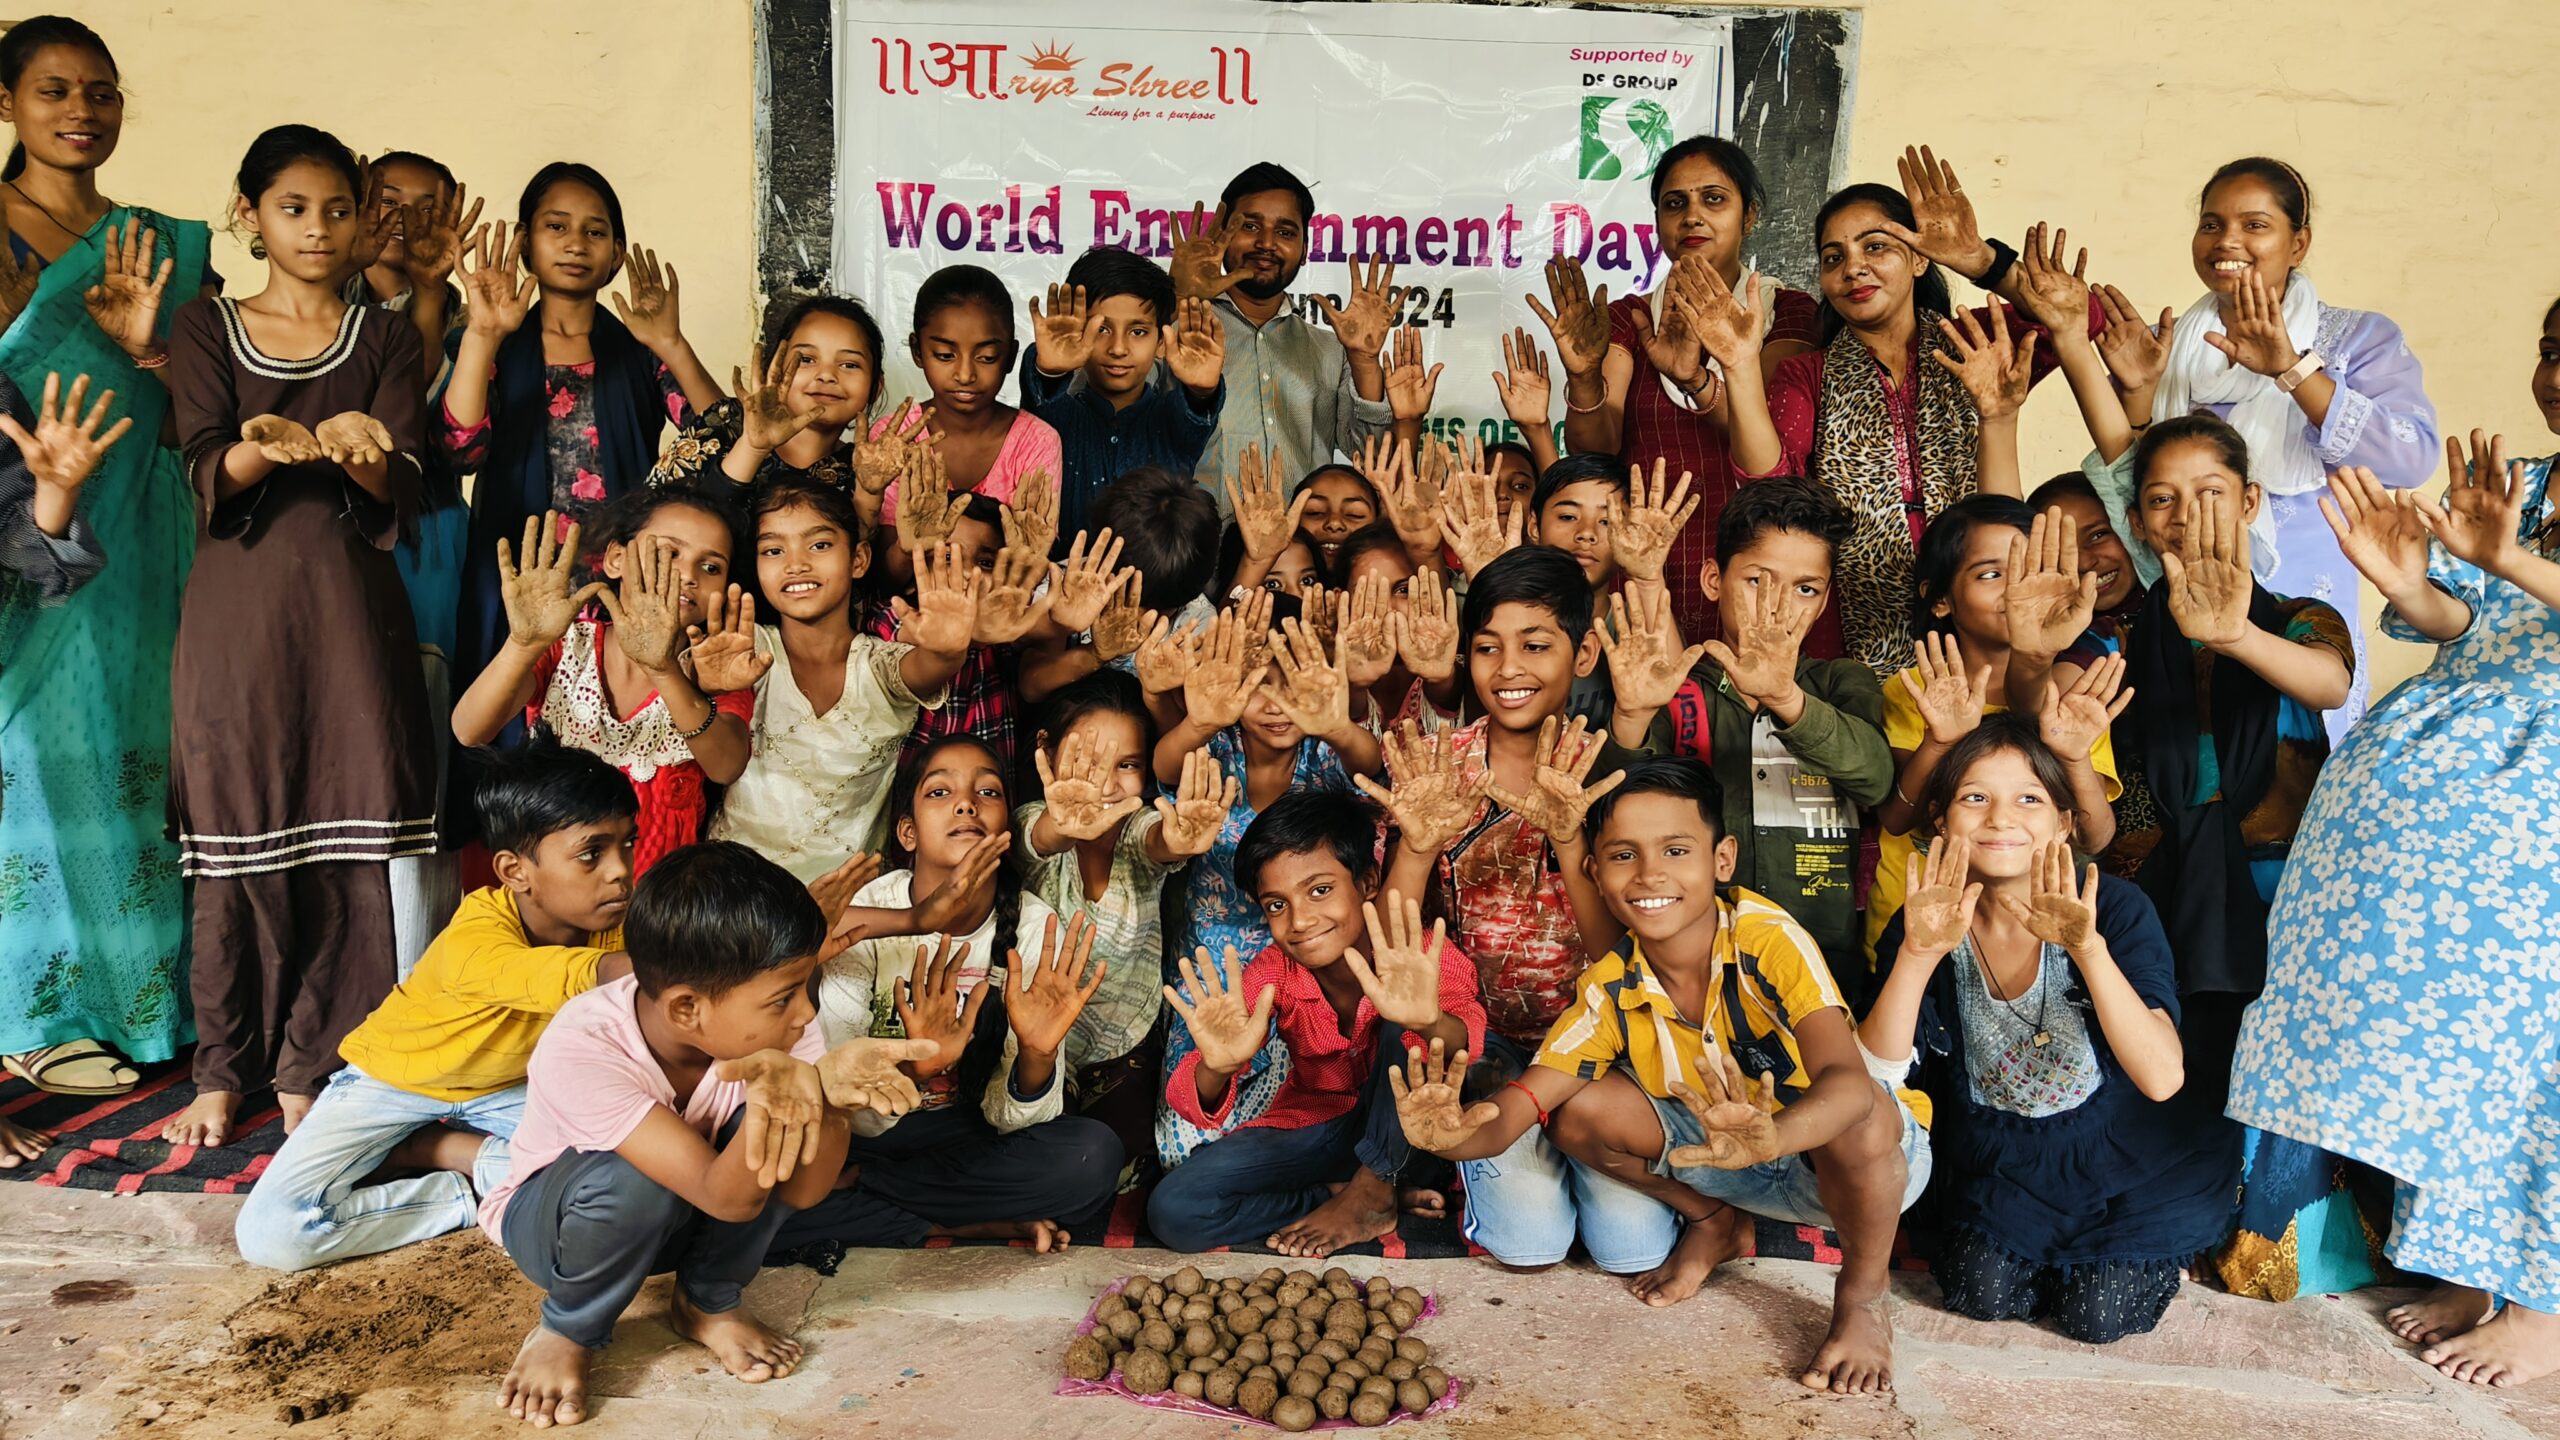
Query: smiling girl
{"points": [[301, 419], [628, 687], [2046, 1006], [815, 377], [557, 405]]}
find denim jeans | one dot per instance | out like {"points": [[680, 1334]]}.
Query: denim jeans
{"points": [[309, 1209], [1526, 1205]]}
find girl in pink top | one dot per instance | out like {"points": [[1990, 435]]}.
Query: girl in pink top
{"points": [[963, 341]]}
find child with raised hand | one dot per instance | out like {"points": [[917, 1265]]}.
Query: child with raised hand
{"points": [[44, 540], [1342, 498], [674, 1118], [1231, 715], [1268, 535], [964, 343], [1970, 557], [815, 378], [2048, 1009], [301, 757], [991, 975], [1097, 850], [629, 687], [1796, 743], [555, 404], [823, 743], [434, 1081], [1646, 1082], [1125, 373], [966, 534], [1317, 1170]]}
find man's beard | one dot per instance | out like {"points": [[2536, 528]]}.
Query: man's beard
{"points": [[1270, 289]]}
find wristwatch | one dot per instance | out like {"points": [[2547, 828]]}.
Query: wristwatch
{"points": [[2303, 369]]}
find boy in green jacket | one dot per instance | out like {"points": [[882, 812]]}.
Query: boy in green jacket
{"points": [[1798, 744]]}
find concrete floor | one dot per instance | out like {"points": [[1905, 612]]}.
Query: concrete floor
{"points": [[966, 1344]]}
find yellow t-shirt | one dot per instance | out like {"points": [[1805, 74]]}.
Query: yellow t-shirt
{"points": [[1621, 1015], [1904, 730], [463, 1024]]}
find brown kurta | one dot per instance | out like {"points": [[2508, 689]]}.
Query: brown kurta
{"points": [[301, 730]]}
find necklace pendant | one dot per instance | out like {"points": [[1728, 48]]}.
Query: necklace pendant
{"points": [[2043, 1039]]}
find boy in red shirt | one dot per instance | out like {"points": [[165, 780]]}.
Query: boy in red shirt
{"points": [[1317, 1170]]}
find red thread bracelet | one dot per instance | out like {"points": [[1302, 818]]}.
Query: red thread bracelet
{"points": [[1533, 1100]]}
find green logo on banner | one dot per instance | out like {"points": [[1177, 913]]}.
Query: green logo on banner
{"points": [[1622, 138]]}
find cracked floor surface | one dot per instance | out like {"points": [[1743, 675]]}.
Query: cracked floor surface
{"points": [[131, 1317]]}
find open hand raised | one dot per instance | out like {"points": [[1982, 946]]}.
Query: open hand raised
{"points": [[1432, 802], [1228, 1031], [725, 657], [1044, 1005], [1429, 1102], [1739, 1131], [542, 598], [930, 1006]]}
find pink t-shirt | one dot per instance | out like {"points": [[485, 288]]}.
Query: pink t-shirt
{"points": [[592, 1081], [1030, 444]]}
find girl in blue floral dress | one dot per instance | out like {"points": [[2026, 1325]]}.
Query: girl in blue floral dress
{"points": [[2412, 1006]]}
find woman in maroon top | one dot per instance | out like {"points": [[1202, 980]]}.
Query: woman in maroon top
{"points": [[1638, 384], [1892, 435]]}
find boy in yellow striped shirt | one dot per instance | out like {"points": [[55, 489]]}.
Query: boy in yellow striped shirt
{"points": [[403, 1141], [1642, 1081]]}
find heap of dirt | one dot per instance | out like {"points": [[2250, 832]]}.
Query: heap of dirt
{"points": [[344, 1343]]}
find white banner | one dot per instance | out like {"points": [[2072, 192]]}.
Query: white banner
{"points": [[1467, 143]]}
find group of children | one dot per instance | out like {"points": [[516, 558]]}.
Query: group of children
{"points": [[1334, 840]]}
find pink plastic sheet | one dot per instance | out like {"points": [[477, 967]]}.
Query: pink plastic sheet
{"points": [[1184, 1404]]}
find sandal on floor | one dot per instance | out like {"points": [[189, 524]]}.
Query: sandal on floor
{"points": [[74, 1067]]}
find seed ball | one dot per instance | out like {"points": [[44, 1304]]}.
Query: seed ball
{"points": [[1290, 1294], [1401, 1315], [1219, 1388], [1153, 1294], [1378, 1384], [1229, 1302], [1375, 1353], [1272, 1275], [1346, 1315], [1413, 1395], [1342, 1289], [1088, 1359], [1233, 1284], [1156, 1335], [1294, 1414], [1264, 1372], [1371, 1409], [1253, 1350], [1333, 1403], [1185, 1281], [1399, 1369], [1284, 1366], [1112, 1304], [1257, 1395], [1123, 1324], [1198, 1340], [1313, 1307], [1190, 1385], [1383, 1330], [1203, 1364], [1413, 1349], [1305, 1277], [1434, 1379], [1306, 1383], [1146, 1372], [1356, 1368], [1197, 1311], [1279, 1328], [1279, 1348], [1333, 1350]]}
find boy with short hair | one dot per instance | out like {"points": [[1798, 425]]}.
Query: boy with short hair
{"points": [[1489, 821], [1167, 531], [1570, 511], [676, 1117], [1317, 1170], [1648, 1082], [1127, 375], [1797, 744], [435, 1075]]}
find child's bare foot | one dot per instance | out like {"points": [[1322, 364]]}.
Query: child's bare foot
{"points": [[1429, 1204], [18, 1144], [548, 1383], [743, 1347], [1364, 1209], [2440, 1314], [2516, 1346], [294, 1108], [1703, 1245], [437, 1147], [1856, 1358], [205, 1121]]}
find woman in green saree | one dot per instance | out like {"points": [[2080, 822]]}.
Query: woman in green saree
{"points": [[92, 914]]}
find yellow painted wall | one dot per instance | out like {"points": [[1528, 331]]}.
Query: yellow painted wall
{"points": [[2427, 133]]}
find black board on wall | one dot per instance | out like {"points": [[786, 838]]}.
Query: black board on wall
{"points": [[1791, 92]]}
